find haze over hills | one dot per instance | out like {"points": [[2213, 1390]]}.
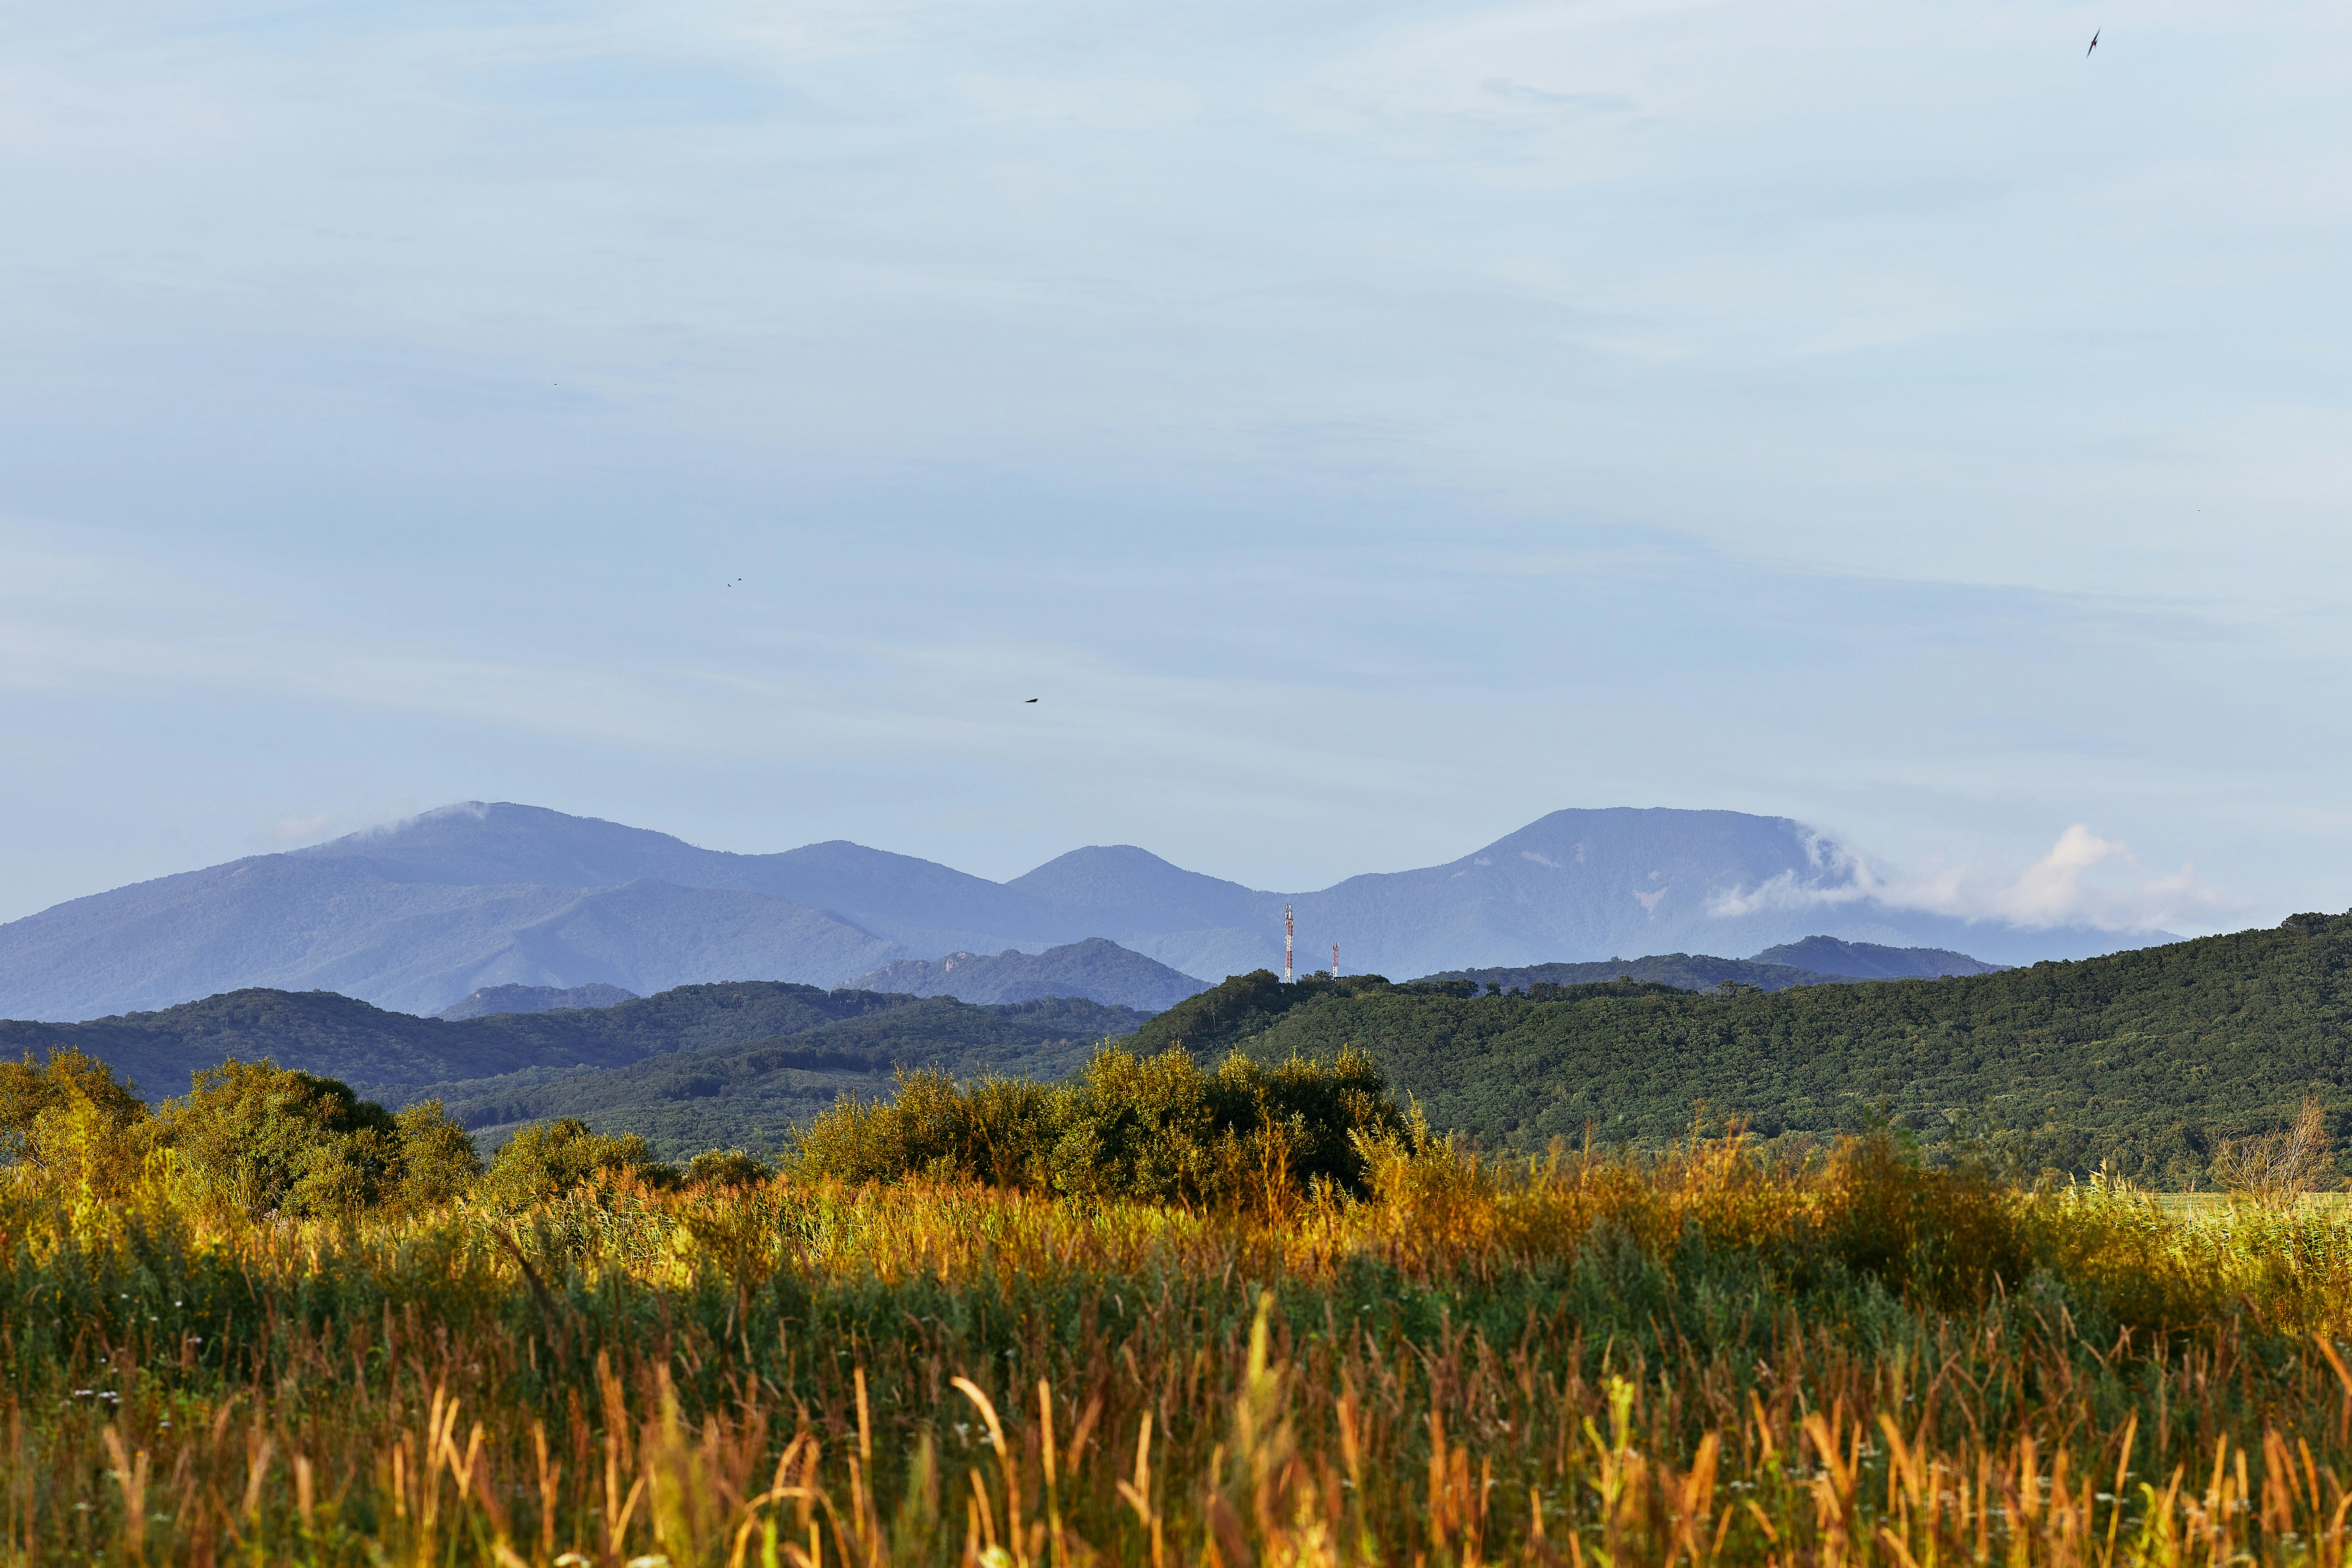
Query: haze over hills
{"points": [[1097, 969], [419, 914], [533, 999]]}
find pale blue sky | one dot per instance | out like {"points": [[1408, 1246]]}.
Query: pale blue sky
{"points": [[1365, 427]]}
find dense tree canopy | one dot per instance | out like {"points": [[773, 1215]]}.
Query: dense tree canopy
{"points": [[2145, 1060]]}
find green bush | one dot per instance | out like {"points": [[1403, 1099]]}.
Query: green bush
{"points": [[550, 1158], [726, 1168], [264, 1139], [1156, 1128], [70, 1119], [438, 1162]]}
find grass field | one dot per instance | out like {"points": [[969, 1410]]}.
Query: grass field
{"points": [[1572, 1361]]}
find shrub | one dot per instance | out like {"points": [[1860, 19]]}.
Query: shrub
{"points": [[1155, 1129], [70, 1119], [261, 1139], [264, 1139], [2281, 1168], [550, 1158], [439, 1161], [726, 1168]]}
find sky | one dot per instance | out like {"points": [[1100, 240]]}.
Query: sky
{"points": [[1363, 429]]}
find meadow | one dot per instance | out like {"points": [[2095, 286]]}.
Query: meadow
{"points": [[1705, 1354]]}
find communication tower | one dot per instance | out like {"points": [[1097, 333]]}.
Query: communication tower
{"points": [[1335, 961], [1286, 944]]}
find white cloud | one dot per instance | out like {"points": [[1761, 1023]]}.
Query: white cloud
{"points": [[2065, 888]]}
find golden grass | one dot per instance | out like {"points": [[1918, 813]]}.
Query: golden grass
{"points": [[1580, 1361]]}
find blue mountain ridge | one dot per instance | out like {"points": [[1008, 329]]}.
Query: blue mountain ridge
{"points": [[416, 915]]}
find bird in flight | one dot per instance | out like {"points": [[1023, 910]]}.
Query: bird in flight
{"points": [[2095, 44], [1033, 699]]}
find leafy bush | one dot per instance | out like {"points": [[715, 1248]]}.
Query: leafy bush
{"points": [[68, 1118], [726, 1168], [438, 1162], [551, 1158], [260, 1138], [1155, 1129]]}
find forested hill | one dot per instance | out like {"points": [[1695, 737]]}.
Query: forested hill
{"points": [[1683, 971], [2145, 1058], [321, 1032]]}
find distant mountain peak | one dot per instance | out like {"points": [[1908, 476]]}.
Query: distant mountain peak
{"points": [[418, 913]]}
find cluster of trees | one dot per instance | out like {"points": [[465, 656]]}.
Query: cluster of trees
{"points": [[2147, 1062], [261, 1140], [342, 1038], [1155, 1129]]}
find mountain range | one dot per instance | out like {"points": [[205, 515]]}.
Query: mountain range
{"points": [[419, 914]]}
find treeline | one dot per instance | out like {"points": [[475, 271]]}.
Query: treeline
{"points": [[261, 1140], [257, 1139], [2146, 1062], [393, 1052]]}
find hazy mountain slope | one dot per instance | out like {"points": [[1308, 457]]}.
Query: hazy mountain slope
{"points": [[272, 920], [533, 999], [1684, 971], [1194, 924], [348, 924], [1868, 961], [419, 914], [653, 936], [896, 895], [1578, 886], [1098, 969]]}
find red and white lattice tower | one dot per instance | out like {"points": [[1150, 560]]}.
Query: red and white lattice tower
{"points": [[1335, 961], [1286, 944]]}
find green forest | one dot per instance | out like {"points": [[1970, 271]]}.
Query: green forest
{"points": [[2143, 1061]]}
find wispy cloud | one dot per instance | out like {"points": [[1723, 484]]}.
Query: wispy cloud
{"points": [[297, 828], [2083, 880]]}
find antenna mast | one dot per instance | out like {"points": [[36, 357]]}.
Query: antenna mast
{"points": [[1335, 961], [1286, 944]]}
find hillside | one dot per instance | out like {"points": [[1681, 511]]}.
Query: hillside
{"points": [[1683, 971], [389, 1053], [1098, 969], [1870, 961], [750, 1097], [421, 913], [2145, 1058], [533, 999], [1816, 961]]}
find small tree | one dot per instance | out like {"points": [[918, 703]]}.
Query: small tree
{"points": [[550, 1158], [68, 1118], [437, 1159], [264, 1139], [2281, 1168]]}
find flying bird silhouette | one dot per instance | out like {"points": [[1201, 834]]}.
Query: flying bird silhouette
{"points": [[2095, 44], [1033, 699]]}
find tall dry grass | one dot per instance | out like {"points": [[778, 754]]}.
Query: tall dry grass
{"points": [[1583, 1360]]}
